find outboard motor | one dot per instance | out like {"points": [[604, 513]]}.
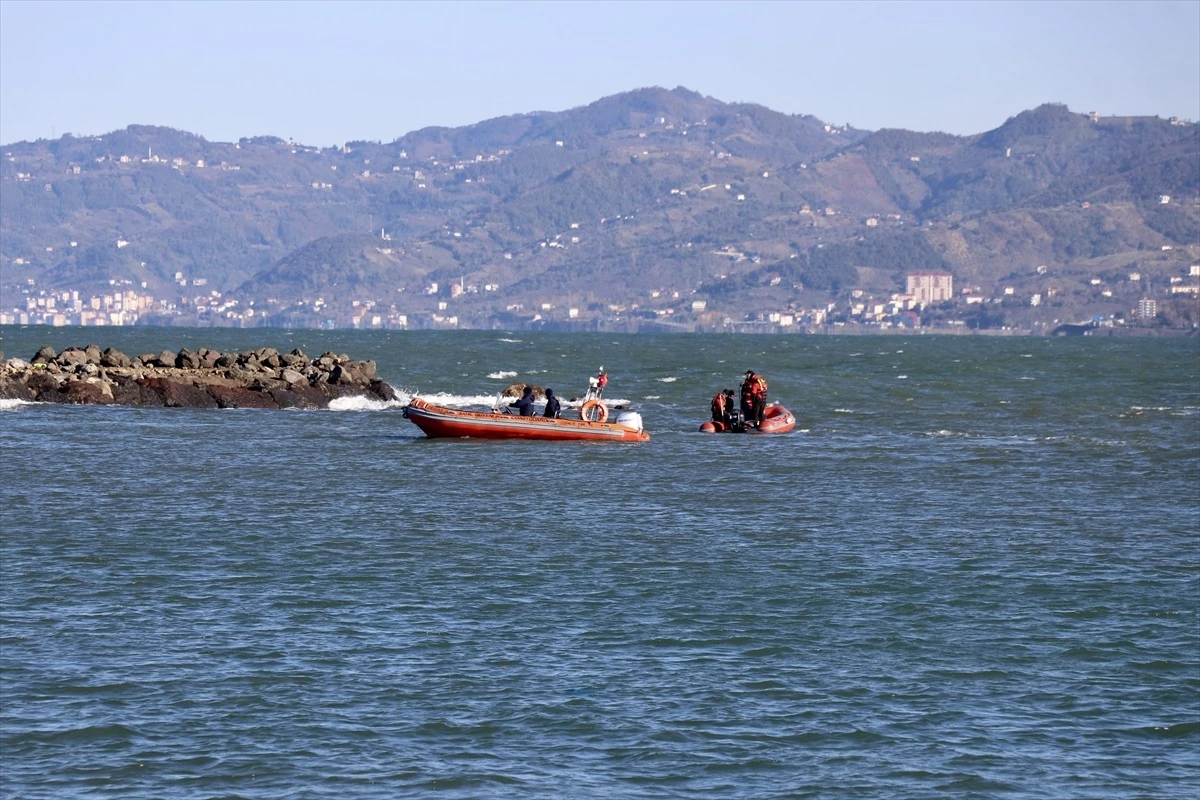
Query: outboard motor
{"points": [[737, 420], [630, 419]]}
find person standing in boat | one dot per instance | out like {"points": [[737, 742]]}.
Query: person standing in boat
{"points": [[525, 404], [754, 397], [553, 407]]}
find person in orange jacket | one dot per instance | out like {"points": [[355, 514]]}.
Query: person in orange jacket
{"points": [[754, 397], [721, 405]]}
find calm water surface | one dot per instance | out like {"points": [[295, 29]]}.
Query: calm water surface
{"points": [[973, 571]]}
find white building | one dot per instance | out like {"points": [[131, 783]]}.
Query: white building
{"points": [[930, 287]]}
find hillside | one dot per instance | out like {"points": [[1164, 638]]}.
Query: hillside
{"points": [[652, 206]]}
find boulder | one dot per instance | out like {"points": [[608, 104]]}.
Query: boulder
{"points": [[515, 390], [72, 356], [176, 394], [290, 377], [240, 397], [114, 358], [186, 359], [89, 392]]}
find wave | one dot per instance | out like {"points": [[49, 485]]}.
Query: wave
{"points": [[666, 380], [499, 376], [364, 404], [13, 405]]}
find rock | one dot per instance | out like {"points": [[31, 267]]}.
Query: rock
{"points": [[89, 393], [114, 358], [364, 368], [261, 378], [72, 356], [240, 397], [186, 359], [345, 374], [290, 376], [175, 394], [383, 391], [45, 387], [517, 389]]}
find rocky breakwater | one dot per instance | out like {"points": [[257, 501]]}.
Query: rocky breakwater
{"points": [[262, 378]]}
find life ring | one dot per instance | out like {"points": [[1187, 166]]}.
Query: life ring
{"points": [[593, 407]]}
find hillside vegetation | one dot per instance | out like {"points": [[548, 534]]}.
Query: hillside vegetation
{"points": [[653, 203]]}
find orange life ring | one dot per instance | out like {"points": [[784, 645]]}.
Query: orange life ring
{"points": [[587, 409]]}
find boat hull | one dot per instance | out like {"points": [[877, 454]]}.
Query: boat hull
{"points": [[440, 422], [776, 419]]}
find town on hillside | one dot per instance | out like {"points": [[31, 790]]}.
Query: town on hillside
{"points": [[929, 303]]}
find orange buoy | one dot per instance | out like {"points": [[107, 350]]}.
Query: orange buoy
{"points": [[593, 411]]}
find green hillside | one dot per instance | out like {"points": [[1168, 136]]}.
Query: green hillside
{"points": [[652, 204]]}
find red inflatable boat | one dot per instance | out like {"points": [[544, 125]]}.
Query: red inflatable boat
{"points": [[776, 419]]}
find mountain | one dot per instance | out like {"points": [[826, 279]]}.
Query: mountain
{"points": [[652, 205]]}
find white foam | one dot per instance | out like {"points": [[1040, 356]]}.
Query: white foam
{"points": [[12, 405], [499, 376], [667, 380], [364, 404]]}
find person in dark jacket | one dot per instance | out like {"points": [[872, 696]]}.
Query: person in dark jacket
{"points": [[553, 409], [525, 404]]}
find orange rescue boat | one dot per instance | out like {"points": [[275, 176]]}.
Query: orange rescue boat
{"points": [[442, 422], [776, 419]]}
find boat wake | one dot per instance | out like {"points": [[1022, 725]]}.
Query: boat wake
{"points": [[364, 404]]}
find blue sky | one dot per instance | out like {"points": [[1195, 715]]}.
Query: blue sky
{"points": [[324, 73]]}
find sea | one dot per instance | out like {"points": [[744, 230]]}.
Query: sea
{"points": [[972, 571]]}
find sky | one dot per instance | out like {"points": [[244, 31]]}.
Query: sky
{"points": [[324, 73]]}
